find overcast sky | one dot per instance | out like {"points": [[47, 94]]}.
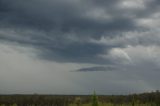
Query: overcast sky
{"points": [[77, 46]]}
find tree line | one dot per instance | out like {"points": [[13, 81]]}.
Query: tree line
{"points": [[65, 100]]}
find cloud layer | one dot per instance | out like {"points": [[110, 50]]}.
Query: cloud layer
{"points": [[113, 37]]}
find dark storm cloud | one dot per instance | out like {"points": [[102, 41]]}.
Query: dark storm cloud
{"points": [[104, 36], [76, 52], [49, 15], [62, 29]]}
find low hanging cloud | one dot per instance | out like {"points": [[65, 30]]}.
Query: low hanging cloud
{"points": [[98, 68]]}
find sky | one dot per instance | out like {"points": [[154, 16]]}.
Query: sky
{"points": [[78, 46]]}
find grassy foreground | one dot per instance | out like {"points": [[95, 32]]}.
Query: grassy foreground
{"points": [[111, 104], [144, 99], [99, 104]]}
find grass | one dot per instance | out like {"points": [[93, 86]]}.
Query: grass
{"points": [[110, 104]]}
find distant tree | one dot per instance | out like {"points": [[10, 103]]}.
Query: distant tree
{"points": [[133, 101], [94, 99]]}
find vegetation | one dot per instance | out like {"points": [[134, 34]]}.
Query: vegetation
{"points": [[145, 99], [94, 100]]}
